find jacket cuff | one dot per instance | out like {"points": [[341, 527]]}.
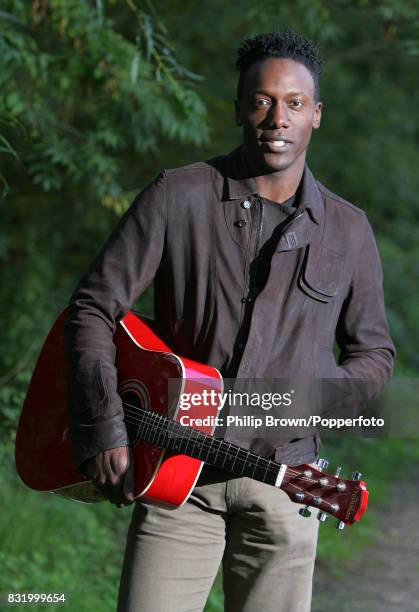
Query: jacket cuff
{"points": [[91, 439]]}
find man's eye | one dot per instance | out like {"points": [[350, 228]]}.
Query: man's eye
{"points": [[261, 102], [297, 103]]}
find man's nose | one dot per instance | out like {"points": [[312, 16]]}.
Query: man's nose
{"points": [[279, 115]]}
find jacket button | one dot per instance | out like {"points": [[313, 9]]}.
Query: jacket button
{"points": [[240, 223], [246, 204], [247, 299]]}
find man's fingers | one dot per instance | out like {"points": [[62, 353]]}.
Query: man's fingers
{"points": [[111, 471], [115, 494], [128, 488], [114, 486]]}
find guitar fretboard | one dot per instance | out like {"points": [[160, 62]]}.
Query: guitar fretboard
{"points": [[166, 433]]}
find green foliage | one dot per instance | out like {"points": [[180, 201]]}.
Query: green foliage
{"points": [[86, 93], [83, 93]]}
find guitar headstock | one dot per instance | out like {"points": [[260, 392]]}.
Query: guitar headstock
{"points": [[345, 499]]}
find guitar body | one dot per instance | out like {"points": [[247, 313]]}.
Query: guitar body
{"points": [[44, 452]]}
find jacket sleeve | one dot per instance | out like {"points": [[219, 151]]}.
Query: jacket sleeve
{"points": [[122, 271], [366, 349]]}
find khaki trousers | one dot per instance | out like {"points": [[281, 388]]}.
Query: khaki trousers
{"points": [[266, 548]]}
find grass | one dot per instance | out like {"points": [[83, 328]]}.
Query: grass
{"points": [[50, 544]]}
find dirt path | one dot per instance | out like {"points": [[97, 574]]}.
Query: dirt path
{"points": [[385, 577]]}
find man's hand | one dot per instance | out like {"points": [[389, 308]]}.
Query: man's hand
{"points": [[112, 471]]}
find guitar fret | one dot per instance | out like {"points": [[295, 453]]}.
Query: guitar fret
{"points": [[209, 450], [150, 431], [162, 432], [254, 469], [188, 440], [172, 435], [244, 461], [146, 429], [140, 430], [195, 436], [235, 458], [153, 431], [266, 473], [226, 456], [181, 439]]}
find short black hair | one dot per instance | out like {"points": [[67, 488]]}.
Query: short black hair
{"points": [[289, 45]]}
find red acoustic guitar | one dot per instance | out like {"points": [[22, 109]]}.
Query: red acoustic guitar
{"points": [[168, 456]]}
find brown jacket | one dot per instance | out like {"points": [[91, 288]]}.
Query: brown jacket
{"points": [[182, 232]]}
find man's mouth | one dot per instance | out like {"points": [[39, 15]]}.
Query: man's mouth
{"points": [[276, 146]]}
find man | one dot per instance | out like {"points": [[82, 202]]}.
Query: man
{"points": [[257, 269]]}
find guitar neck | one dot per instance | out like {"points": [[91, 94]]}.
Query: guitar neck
{"points": [[166, 433]]}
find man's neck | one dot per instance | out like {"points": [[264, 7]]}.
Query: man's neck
{"points": [[280, 186]]}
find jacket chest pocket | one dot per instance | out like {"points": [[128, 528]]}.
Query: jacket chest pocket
{"points": [[321, 273]]}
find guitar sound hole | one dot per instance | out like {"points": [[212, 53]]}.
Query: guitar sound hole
{"points": [[132, 400]]}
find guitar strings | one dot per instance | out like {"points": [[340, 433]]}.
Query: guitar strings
{"points": [[298, 488], [150, 417], [272, 467], [305, 491], [206, 445], [147, 418], [194, 433]]}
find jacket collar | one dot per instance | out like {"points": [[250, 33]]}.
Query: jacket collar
{"points": [[238, 184]]}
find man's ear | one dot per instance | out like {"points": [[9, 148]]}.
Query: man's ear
{"points": [[237, 113], [317, 115]]}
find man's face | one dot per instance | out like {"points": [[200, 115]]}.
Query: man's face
{"points": [[277, 112]]}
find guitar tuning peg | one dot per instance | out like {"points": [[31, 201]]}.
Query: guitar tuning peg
{"points": [[322, 516], [356, 475], [322, 464], [340, 525], [304, 511], [338, 471]]}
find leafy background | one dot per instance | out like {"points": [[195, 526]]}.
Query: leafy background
{"points": [[95, 98]]}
